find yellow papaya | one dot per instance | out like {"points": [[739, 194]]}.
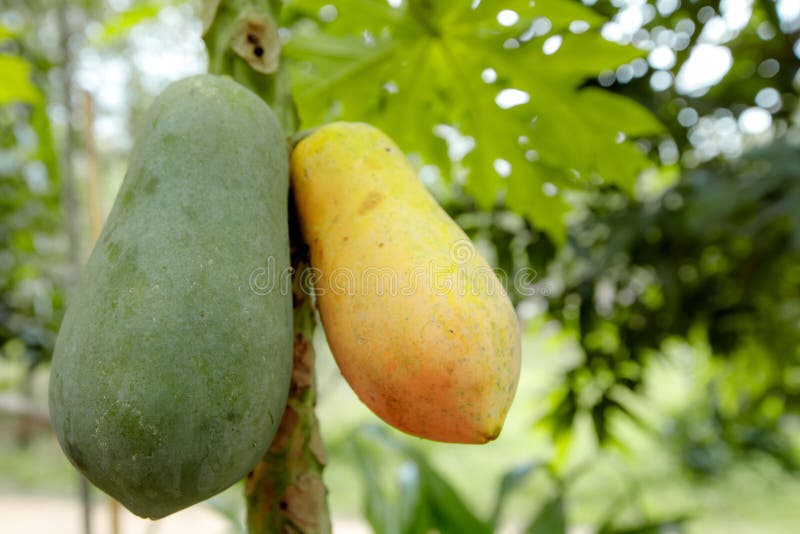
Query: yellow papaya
{"points": [[420, 326]]}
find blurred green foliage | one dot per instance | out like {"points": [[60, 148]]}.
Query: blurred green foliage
{"points": [[763, 58], [34, 255], [718, 251], [405, 494], [31, 251]]}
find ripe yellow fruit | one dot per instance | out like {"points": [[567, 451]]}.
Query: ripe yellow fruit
{"points": [[418, 323]]}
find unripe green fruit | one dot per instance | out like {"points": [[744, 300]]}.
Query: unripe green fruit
{"points": [[170, 374]]}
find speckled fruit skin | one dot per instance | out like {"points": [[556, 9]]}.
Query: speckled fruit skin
{"points": [[170, 374], [419, 325]]}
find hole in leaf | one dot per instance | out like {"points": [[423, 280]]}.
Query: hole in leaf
{"points": [[549, 189], [502, 168], [489, 75], [508, 98], [551, 45], [328, 13], [507, 17]]}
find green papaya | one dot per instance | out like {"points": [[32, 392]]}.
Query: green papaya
{"points": [[170, 372]]}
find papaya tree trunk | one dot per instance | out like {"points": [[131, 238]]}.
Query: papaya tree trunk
{"points": [[284, 492]]}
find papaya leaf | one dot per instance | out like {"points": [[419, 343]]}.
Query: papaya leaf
{"points": [[535, 204], [349, 17], [514, 88], [559, 13]]}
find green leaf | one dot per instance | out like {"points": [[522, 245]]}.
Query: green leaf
{"points": [[15, 82], [630, 117], [510, 481], [577, 58], [560, 13], [527, 196], [440, 507], [229, 513], [377, 505], [46, 151], [352, 16], [408, 69], [550, 519], [672, 526], [119, 24], [410, 501], [449, 512]]}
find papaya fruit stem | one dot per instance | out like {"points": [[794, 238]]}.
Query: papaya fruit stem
{"points": [[299, 136], [242, 40]]}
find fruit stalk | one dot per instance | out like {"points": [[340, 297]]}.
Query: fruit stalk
{"points": [[284, 492]]}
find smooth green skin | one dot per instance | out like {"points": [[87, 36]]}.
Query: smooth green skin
{"points": [[170, 374]]}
